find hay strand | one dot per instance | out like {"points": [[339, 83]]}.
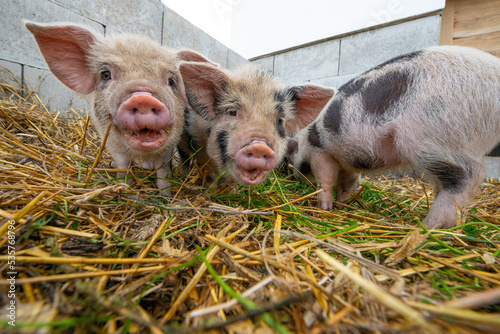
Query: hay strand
{"points": [[93, 254]]}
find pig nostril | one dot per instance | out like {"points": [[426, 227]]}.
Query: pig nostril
{"points": [[134, 110]]}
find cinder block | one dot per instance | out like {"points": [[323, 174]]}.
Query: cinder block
{"points": [[335, 82], [18, 45], [54, 94], [234, 59], [96, 10], [143, 17], [492, 167], [308, 63], [180, 33], [11, 73], [363, 51], [267, 63]]}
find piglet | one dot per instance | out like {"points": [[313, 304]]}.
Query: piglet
{"points": [[436, 110], [240, 119], [130, 81]]}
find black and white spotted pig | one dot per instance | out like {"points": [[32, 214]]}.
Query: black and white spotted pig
{"points": [[242, 119], [436, 110]]}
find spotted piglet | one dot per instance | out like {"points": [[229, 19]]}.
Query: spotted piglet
{"points": [[436, 110], [131, 81], [241, 119]]}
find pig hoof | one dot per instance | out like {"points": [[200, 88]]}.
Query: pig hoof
{"points": [[343, 196], [434, 224], [128, 180], [185, 169], [326, 206], [166, 193], [164, 187]]}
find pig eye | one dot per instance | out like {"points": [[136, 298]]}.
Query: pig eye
{"points": [[106, 75], [232, 112], [171, 82]]}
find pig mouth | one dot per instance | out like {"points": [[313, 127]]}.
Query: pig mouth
{"points": [[253, 161], [145, 139], [250, 177], [144, 121]]}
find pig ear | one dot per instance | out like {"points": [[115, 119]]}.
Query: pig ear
{"points": [[203, 82], [191, 55], [309, 101], [292, 147], [65, 48]]}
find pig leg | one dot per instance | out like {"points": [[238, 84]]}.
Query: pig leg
{"points": [[185, 167], [123, 162], [163, 166], [348, 182], [184, 161], [455, 184], [325, 168]]}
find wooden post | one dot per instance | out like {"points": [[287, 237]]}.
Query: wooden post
{"points": [[447, 23]]}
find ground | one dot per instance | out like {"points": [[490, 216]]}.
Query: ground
{"points": [[94, 255]]}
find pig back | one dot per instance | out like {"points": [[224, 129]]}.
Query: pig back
{"points": [[442, 97], [454, 100]]}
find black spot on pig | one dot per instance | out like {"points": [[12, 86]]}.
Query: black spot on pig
{"points": [[366, 161], [280, 96], [313, 136], [453, 175], [219, 104], [434, 106], [382, 92], [280, 128], [352, 87], [279, 109], [398, 59], [222, 140], [304, 168], [292, 147], [294, 91], [333, 115]]}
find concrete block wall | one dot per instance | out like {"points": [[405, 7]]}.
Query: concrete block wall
{"points": [[337, 60], [19, 54]]}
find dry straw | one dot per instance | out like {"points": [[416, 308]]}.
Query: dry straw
{"points": [[96, 255]]}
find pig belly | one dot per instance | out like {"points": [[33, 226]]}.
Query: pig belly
{"points": [[368, 148]]}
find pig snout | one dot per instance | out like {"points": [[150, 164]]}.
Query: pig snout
{"points": [[144, 121], [143, 111], [254, 161]]}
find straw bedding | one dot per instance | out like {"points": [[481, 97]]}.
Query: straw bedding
{"points": [[94, 255]]}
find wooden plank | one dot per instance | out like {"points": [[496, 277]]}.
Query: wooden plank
{"points": [[476, 17], [486, 42], [447, 19]]}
